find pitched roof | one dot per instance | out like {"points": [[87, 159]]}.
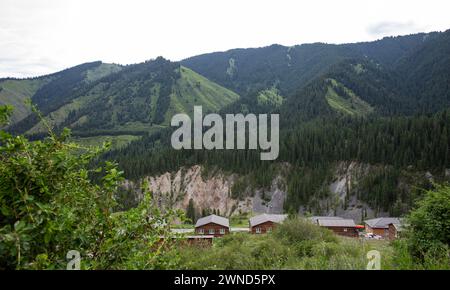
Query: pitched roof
{"points": [[382, 223], [398, 227], [262, 218], [215, 219], [315, 219], [336, 223]]}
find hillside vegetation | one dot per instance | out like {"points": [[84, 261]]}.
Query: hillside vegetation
{"points": [[16, 92], [98, 99]]}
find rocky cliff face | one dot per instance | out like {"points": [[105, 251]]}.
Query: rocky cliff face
{"points": [[347, 176], [177, 188], [213, 192]]}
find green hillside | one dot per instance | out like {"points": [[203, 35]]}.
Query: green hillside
{"points": [[117, 142], [319, 90], [193, 89], [344, 100], [50, 93], [101, 71], [142, 99], [102, 99], [269, 97], [15, 92]]}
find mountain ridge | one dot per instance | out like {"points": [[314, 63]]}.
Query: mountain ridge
{"points": [[381, 103]]}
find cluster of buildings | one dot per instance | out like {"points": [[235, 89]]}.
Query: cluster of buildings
{"points": [[215, 226], [384, 227]]}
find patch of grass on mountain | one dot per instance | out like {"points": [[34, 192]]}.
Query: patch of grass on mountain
{"points": [[359, 68], [270, 97], [345, 100], [117, 142], [58, 116], [101, 71], [15, 92], [193, 89]]}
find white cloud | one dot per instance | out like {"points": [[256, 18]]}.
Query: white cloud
{"points": [[392, 28], [43, 36]]}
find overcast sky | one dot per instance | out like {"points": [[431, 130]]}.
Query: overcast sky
{"points": [[43, 36]]}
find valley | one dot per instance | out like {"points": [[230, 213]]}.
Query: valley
{"points": [[358, 131], [225, 135]]}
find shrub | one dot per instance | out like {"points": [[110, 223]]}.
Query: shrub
{"points": [[49, 206], [429, 225], [296, 229]]}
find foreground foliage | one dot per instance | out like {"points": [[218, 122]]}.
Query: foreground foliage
{"points": [[428, 232], [49, 206]]}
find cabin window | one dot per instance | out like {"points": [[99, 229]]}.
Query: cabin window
{"points": [[201, 231], [345, 229], [222, 231], [258, 230], [211, 231], [269, 229]]}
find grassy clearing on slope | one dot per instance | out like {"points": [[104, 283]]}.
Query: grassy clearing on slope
{"points": [[117, 142], [15, 92], [101, 71], [193, 89], [270, 97], [58, 116], [346, 101]]}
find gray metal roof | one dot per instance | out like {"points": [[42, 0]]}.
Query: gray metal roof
{"points": [[262, 218], [315, 219], [215, 219], [382, 223], [398, 227], [336, 223]]}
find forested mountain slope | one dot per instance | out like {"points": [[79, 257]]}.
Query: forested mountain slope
{"points": [[397, 75], [133, 100], [50, 91], [358, 109], [292, 67]]}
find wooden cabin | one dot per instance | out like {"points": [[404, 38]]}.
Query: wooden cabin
{"points": [[395, 231], [265, 223], [380, 226], [212, 225], [342, 227]]}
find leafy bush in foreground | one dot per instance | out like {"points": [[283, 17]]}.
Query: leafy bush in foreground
{"points": [[428, 232], [49, 206]]}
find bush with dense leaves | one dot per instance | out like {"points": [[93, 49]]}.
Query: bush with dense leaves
{"points": [[49, 206], [429, 225]]}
